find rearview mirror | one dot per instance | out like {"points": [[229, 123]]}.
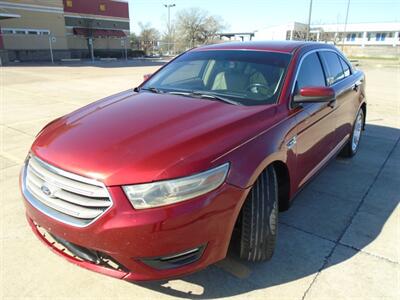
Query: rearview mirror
{"points": [[146, 77], [315, 94]]}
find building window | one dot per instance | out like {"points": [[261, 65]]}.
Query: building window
{"points": [[7, 31], [25, 31], [102, 7], [380, 36], [69, 3], [351, 37], [374, 36]]}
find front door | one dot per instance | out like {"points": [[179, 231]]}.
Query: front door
{"points": [[316, 122]]}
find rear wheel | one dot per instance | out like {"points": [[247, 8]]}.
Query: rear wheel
{"points": [[353, 144], [259, 218]]}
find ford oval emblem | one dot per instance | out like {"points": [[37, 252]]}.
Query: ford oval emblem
{"points": [[48, 190]]}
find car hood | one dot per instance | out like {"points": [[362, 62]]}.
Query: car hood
{"points": [[133, 138]]}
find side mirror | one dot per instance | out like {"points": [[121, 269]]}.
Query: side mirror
{"points": [[146, 77], [314, 94]]}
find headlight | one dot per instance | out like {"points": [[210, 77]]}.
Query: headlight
{"points": [[171, 191]]}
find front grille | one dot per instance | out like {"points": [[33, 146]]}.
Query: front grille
{"points": [[64, 196]]}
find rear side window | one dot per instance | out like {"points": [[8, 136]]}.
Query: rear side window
{"points": [[310, 73], [333, 66], [345, 67]]}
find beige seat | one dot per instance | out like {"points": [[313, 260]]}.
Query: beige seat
{"points": [[231, 80]]}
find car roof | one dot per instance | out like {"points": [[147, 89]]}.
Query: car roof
{"points": [[272, 46]]}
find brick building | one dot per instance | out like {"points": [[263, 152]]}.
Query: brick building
{"points": [[69, 28]]}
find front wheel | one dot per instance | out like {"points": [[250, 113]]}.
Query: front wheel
{"points": [[353, 144], [259, 218]]}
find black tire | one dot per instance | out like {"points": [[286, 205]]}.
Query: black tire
{"points": [[259, 219], [349, 150]]}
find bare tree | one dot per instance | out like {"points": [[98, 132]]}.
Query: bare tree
{"points": [[148, 37], [168, 40], [195, 26]]}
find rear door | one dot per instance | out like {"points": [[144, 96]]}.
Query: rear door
{"points": [[339, 76], [316, 121]]}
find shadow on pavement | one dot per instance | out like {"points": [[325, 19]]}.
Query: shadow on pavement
{"points": [[348, 203]]}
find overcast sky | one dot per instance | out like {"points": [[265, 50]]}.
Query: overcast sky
{"points": [[250, 15]]}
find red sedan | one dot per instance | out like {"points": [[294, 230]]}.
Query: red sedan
{"points": [[156, 182]]}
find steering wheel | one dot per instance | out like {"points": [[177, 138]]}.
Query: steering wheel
{"points": [[255, 86]]}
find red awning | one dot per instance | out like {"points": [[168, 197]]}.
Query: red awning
{"points": [[98, 32]]}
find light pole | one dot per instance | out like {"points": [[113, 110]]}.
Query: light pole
{"points": [[168, 6], [345, 23], [309, 21]]}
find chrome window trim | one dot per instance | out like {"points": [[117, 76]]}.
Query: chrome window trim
{"points": [[52, 213], [322, 66]]}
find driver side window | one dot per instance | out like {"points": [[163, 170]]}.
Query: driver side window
{"points": [[310, 73]]}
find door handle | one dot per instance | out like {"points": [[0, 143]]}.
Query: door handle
{"points": [[356, 85], [332, 103], [290, 144]]}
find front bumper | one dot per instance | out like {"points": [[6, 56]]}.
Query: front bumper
{"points": [[132, 237]]}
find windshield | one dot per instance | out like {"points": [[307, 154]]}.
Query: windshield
{"points": [[246, 77]]}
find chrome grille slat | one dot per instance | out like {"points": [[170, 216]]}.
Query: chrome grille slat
{"points": [[33, 178], [84, 201], [64, 182], [65, 196], [63, 206], [70, 197]]}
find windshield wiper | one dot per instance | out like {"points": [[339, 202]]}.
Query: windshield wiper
{"points": [[201, 94], [180, 93], [151, 89]]}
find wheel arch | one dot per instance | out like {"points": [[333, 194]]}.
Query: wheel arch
{"points": [[364, 108], [283, 182], [283, 178]]}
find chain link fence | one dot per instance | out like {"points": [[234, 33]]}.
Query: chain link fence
{"points": [[50, 48], [169, 48]]}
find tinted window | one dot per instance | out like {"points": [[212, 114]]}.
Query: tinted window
{"points": [[345, 67], [310, 73], [248, 77], [333, 66]]}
